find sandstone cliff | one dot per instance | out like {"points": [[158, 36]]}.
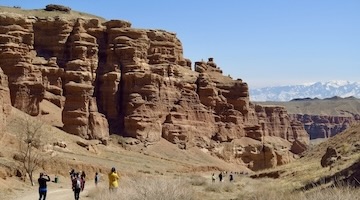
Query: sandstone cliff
{"points": [[111, 78], [323, 126], [5, 104]]}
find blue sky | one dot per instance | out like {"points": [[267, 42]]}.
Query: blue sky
{"points": [[265, 43]]}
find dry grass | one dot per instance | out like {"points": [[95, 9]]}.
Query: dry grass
{"points": [[146, 187], [42, 13], [342, 193], [198, 181], [307, 169], [335, 193], [345, 148], [221, 187], [159, 188]]}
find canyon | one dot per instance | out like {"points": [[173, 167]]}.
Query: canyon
{"points": [[109, 78]]}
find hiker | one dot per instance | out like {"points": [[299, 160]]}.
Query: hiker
{"points": [[76, 186], [97, 177], [113, 180], [56, 179], [220, 176], [83, 175], [42, 185], [213, 177], [231, 177], [72, 174]]}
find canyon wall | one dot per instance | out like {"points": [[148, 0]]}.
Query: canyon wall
{"points": [[110, 78], [323, 126], [5, 104]]}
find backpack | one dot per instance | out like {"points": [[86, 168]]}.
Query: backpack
{"points": [[77, 183]]}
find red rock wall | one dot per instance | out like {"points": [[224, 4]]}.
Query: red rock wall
{"points": [[5, 104], [55, 59], [109, 77], [321, 126]]}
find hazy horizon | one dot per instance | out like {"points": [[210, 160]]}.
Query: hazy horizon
{"points": [[263, 43]]}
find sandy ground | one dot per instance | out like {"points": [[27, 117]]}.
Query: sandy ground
{"points": [[58, 191]]}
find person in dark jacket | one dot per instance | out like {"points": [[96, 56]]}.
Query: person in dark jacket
{"points": [[43, 186], [97, 177], [82, 176], [76, 186], [231, 177], [220, 177]]}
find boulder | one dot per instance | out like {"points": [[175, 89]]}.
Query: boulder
{"points": [[330, 157], [61, 144]]}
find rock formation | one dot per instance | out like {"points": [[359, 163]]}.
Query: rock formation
{"points": [[330, 157], [5, 104], [109, 77], [55, 7], [323, 126]]}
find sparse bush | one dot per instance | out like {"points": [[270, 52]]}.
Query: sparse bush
{"points": [[144, 171], [229, 187], [31, 156], [345, 148], [139, 188], [55, 7], [213, 188], [198, 181], [334, 193], [221, 187], [267, 195]]}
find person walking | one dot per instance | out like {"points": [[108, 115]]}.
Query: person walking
{"points": [[72, 174], [220, 177], [231, 177], [76, 186], [113, 179], [97, 178], [43, 186], [213, 177], [83, 176]]}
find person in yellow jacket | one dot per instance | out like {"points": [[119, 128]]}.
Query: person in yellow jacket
{"points": [[113, 179]]}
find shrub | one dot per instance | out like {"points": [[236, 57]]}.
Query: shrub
{"points": [[140, 187], [333, 193], [55, 7], [198, 181], [221, 187]]}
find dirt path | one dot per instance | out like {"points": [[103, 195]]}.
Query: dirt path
{"points": [[56, 193]]}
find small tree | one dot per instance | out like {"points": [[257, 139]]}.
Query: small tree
{"points": [[31, 157]]}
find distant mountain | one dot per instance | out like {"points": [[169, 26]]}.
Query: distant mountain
{"points": [[314, 90]]}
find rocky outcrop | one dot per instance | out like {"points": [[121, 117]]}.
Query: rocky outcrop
{"points": [[267, 153], [5, 104], [330, 157], [322, 126], [55, 7], [25, 84], [109, 77], [44, 56]]}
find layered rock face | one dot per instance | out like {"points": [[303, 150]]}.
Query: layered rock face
{"points": [[321, 126], [5, 104], [109, 77], [53, 59]]}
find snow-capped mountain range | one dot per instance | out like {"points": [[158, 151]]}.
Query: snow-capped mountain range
{"points": [[310, 90]]}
